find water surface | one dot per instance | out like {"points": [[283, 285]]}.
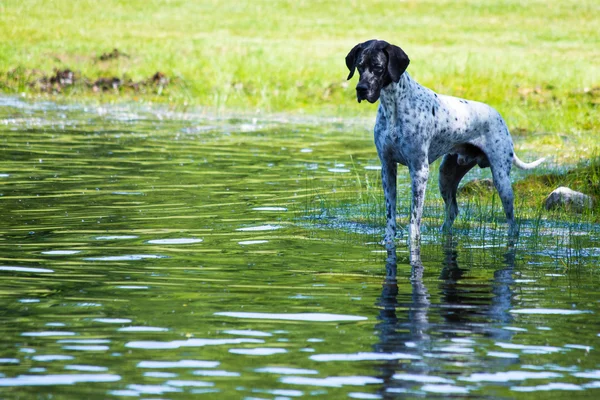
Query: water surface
{"points": [[159, 255]]}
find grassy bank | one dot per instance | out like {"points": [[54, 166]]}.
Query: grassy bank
{"points": [[537, 63]]}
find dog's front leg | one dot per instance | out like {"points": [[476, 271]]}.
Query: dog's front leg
{"points": [[419, 173], [389, 171]]}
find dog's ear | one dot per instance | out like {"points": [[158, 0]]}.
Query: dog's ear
{"points": [[351, 59], [397, 61]]}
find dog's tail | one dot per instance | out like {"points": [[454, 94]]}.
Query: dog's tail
{"points": [[523, 165]]}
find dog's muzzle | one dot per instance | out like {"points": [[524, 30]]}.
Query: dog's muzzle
{"points": [[364, 93]]}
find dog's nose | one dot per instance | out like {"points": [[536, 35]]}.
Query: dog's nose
{"points": [[362, 88]]}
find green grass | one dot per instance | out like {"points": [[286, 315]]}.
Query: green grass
{"points": [[585, 177], [536, 62]]}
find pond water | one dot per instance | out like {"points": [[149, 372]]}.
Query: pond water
{"points": [[153, 254]]}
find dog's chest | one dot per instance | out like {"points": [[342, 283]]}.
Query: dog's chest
{"points": [[389, 140]]}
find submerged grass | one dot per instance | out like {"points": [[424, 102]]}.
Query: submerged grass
{"points": [[355, 203]]}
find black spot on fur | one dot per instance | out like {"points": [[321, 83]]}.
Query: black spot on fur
{"points": [[433, 111]]}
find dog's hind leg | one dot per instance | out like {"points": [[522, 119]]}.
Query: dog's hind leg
{"points": [[501, 163], [451, 172]]}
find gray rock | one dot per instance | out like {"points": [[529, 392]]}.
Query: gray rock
{"points": [[569, 199]]}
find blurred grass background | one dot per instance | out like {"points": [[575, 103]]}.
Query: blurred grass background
{"points": [[537, 62]]}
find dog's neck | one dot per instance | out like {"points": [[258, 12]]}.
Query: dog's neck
{"points": [[393, 94]]}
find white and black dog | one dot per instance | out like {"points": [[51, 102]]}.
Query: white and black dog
{"points": [[415, 126]]}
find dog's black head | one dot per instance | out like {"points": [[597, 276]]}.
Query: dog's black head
{"points": [[379, 64]]}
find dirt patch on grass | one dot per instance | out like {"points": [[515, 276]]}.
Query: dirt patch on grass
{"points": [[113, 55], [62, 79], [65, 79]]}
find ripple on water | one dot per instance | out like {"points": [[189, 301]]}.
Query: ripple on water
{"points": [[259, 228], [421, 378], [159, 374], [547, 387], [175, 344], [85, 368], [258, 351], [548, 311], [529, 349], [588, 374], [246, 332], [112, 320], [312, 317], [578, 346], [338, 170], [361, 395], [83, 341], [68, 379], [132, 287], [251, 242], [509, 376], [446, 389], [332, 381], [61, 252], [48, 333], [211, 372], [86, 348], [152, 389], [178, 364], [364, 357], [25, 269], [142, 329], [188, 383], [116, 237], [52, 357], [128, 257], [175, 241], [286, 371]]}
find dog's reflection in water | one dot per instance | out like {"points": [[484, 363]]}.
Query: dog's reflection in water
{"points": [[464, 312]]}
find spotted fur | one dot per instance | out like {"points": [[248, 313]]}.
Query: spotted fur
{"points": [[415, 126]]}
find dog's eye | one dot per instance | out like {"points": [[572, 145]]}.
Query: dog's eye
{"points": [[377, 68]]}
